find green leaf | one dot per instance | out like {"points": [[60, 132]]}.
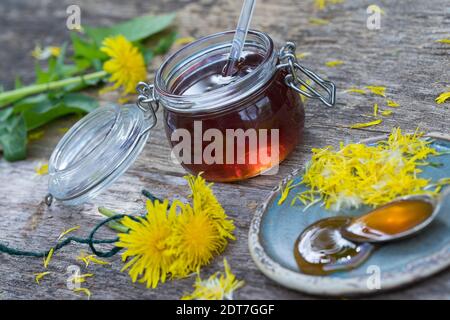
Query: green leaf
{"points": [[165, 43], [134, 29], [42, 109], [13, 135]]}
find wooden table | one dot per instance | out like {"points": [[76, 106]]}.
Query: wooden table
{"points": [[402, 55]]}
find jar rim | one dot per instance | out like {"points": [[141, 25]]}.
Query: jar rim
{"points": [[223, 96]]}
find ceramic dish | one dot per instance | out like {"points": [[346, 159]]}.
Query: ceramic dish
{"points": [[275, 228]]}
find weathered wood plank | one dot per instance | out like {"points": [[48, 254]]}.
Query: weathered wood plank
{"points": [[403, 56]]}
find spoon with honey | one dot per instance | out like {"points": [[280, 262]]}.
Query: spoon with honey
{"points": [[343, 243]]}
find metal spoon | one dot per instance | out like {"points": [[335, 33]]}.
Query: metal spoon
{"points": [[359, 231]]}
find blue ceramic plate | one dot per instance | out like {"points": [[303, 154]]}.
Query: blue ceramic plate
{"points": [[275, 228]]}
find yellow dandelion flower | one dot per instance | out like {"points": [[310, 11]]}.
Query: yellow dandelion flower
{"points": [[443, 97], [41, 169], [334, 63], [366, 124], [43, 54], [147, 243], [203, 199], [219, 286], [126, 64], [378, 90], [39, 276], [196, 240]]}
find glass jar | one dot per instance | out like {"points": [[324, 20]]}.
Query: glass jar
{"points": [[229, 128]]}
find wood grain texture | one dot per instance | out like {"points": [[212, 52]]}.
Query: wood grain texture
{"points": [[402, 55]]}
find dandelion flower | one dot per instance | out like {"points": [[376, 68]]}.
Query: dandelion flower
{"points": [[196, 239], [147, 243], [203, 199], [126, 64], [43, 54], [219, 286]]}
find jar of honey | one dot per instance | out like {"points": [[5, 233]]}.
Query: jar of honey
{"points": [[229, 128]]}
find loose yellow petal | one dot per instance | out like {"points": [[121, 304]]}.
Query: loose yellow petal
{"points": [[356, 90], [285, 191], [378, 90], [48, 257], [219, 286], [375, 109], [41, 169], [366, 124], [358, 174], [334, 63], [87, 259], [318, 21], [392, 104], [184, 41], [446, 41], [443, 97], [86, 291], [302, 55], [39, 276], [37, 135], [43, 54], [322, 4], [386, 112], [67, 231]]}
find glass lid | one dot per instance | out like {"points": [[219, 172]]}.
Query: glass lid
{"points": [[96, 151]]}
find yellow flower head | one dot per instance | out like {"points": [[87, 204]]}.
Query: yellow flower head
{"points": [[219, 286], [203, 199], [147, 243], [196, 239], [126, 64]]}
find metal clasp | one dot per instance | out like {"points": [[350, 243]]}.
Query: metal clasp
{"points": [[289, 61], [147, 102]]}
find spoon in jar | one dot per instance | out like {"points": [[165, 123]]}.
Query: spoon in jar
{"points": [[239, 37], [401, 218]]}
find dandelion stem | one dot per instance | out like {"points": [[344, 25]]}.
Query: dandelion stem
{"points": [[112, 224], [11, 96]]}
